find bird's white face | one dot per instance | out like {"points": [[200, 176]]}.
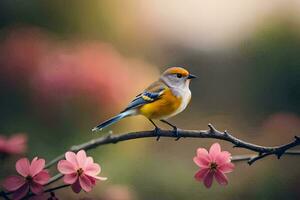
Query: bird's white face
{"points": [[176, 80], [177, 77]]}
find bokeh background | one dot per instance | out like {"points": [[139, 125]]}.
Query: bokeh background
{"points": [[67, 65]]}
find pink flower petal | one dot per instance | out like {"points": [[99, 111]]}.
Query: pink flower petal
{"points": [[214, 150], [42, 177], [203, 163], [81, 158], [70, 178], [16, 144], [23, 167], [201, 174], [66, 167], [221, 178], [226, 168], [92, 169], [21, 192], [37, 165], [76, 187], [93, 180], [89, 161], [13, 183], [71, 157], [36, 188], [208, 179], [202, 152], [99, 178], [203, 155], [85, 183], [223, 157]]}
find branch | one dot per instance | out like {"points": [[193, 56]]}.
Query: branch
{"points": [[30, 194], [54, 178], [50, 190], [250, 157], [212, 132], [279, 151], [4, 195]]}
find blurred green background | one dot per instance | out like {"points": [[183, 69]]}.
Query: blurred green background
{"points": [[67, 65]]}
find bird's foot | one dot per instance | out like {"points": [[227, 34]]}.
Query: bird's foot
{"points": [[157, 133], [176, 133]]}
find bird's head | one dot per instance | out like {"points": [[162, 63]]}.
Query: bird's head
{"points": [[177, 77]]}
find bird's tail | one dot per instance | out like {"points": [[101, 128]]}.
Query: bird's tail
{"points": [[113, 120]]}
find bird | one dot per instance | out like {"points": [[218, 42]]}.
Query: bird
{"points": [[163, 99]]}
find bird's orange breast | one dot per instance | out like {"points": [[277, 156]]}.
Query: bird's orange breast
{"points": [[165, 106]]}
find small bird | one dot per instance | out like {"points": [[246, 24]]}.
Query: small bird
{"points": [[163, 99]]}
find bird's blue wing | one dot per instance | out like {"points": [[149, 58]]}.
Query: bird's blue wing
{"points": [[152, 93]]}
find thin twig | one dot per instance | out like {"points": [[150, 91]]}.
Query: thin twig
{"points": [[57, 188], [54, 178], [249, 157], [48, 190], [279, 151], [4, 195]]}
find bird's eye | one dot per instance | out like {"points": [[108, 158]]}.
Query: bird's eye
{"points": [[179, 75]]}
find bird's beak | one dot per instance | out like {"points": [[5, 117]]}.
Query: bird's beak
{"points": [[191, 76]]}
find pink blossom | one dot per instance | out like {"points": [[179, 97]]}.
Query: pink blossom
{"points": [[215, 163], [33, 177], [16, 144], [80, 171]]}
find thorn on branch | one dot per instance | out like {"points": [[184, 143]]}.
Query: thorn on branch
{"points": [[226, 133], [255, 158], [237, 146], [280, 153], [250, 162], [211, 128]]}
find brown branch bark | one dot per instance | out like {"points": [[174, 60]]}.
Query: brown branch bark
{"points": [[212, 132]]}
